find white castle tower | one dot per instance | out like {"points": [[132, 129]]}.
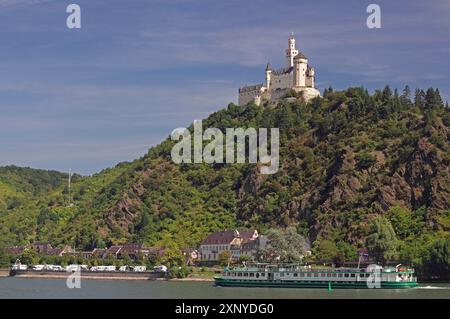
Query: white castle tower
{"points": [[291, 51], [298, 75]]}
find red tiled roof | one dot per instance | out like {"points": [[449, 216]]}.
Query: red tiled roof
{"points": [[246, 234], [12, 250], [226, 237], [53, 251], [113, 250], [131, 248], [223, 237], [98, 252]]}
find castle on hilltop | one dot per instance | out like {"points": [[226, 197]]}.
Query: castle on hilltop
{"points": [[298, 75]]}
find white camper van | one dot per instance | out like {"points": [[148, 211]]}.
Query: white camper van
{"points": [[160, 268], [73, 268], [139, 268], [124, 268], [110, 268], [38, 267], [54, 268], [18, 266]]}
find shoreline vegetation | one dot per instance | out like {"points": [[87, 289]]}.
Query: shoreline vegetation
{"points": [[102, 276]]}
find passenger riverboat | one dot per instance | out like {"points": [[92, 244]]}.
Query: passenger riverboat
{"points": [[296, 276]]}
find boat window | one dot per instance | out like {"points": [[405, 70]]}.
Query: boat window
{"points": [[295, 274], [367, 275], [316, 275], [361, 275], [257, 275], [263, 274], [334, 275], [245, 274], [252, 275], [339, 275], [322, 275], [328, 275], [352, 275], [239, 274], [346, 275]]}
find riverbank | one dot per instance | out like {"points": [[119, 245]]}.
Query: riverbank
{"points": [[4, 272], [104, 276], [192, 279], [91, 275]]}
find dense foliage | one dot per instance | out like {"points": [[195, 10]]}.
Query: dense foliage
{"points": [[357, 170]]}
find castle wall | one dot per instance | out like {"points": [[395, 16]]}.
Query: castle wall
{"points": [[307, 93], [310, 81], [281, 81], [250, 96]]}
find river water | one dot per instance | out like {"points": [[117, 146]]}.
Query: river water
{"points": [[91, 289]]}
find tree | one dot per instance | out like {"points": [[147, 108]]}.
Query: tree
{"points": [[387, 94], [419, 97], [5, 260], [406, 93], [405, 98], [433, 99], [172, 257], [29, 257], [284, 245], [224, 257], [382, 242], [244, 258], [405, 222], [327, 92], [440, 258], [325, 250]]}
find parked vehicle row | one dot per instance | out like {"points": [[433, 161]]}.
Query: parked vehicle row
{"points": [[74, 268]]}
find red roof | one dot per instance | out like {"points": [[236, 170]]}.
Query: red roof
{"points": [[113, 250], [223, 237], [226, 237], [12, 250]]}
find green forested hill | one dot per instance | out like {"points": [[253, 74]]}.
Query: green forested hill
{"points": [[18, 184], [352, 166]]}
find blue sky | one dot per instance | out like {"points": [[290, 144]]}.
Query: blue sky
{"points": [[87, 99]]}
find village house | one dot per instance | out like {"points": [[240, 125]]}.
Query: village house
{"points": [[44, 248], [12, 250], [132, 251], [238, 243], [190, 256]]}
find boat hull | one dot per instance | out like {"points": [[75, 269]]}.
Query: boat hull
{"points": [[309, 284]]}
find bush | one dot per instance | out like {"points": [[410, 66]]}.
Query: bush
{"points": [[365, 160], [179, 272]]}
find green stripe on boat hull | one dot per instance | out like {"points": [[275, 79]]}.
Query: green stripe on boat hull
{"points": [[310, 284]]}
